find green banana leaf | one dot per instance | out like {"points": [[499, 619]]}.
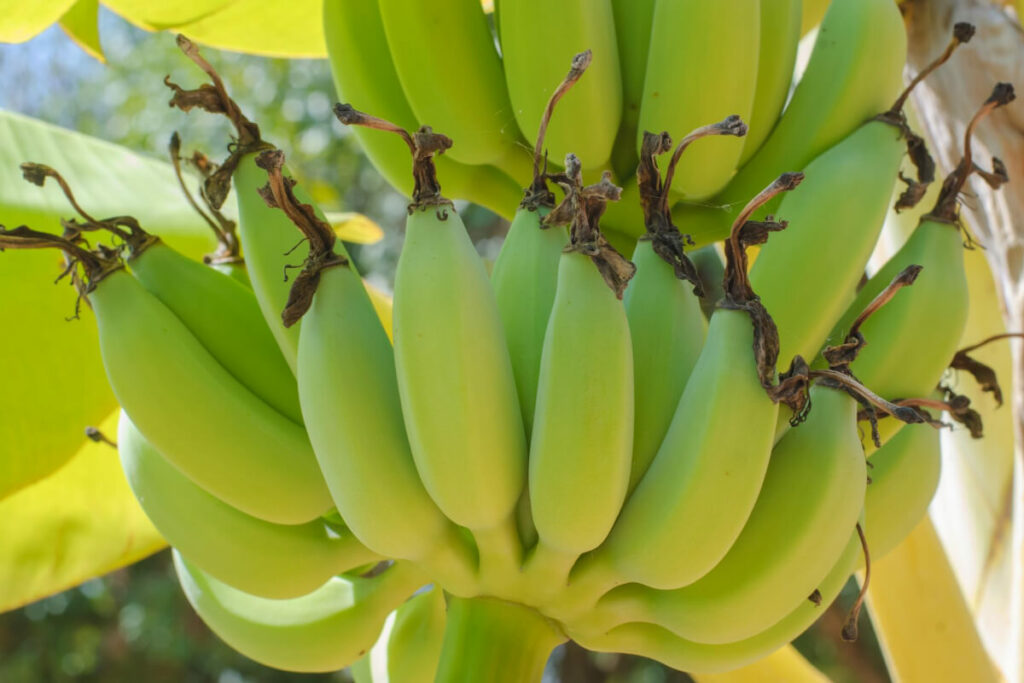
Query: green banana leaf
{"points": [[80, 522], [53, 380]]}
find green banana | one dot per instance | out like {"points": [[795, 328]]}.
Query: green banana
{"points": [[185, 402], [454, 374], [258, 557], [789, 544], [325, 630], [267, 238], [481, 116], [526, 269], [849, 189], [218, 310], [364, 72], [188, 406], [779, 38], [904, 476], [225, 317], [350, 401], [666, 324], [694, 75], [914, 337], [409, 647], [657, 642], [633, 20], [537, 37], [854, 72], [579, 458], [674, 529]]}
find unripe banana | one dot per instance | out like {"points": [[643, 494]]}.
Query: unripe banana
{"points": [[791, 541], [656, 642], [221, 312], [524, 279], [689, 58], [188, 406], [779, 39], [854, 72], [583, 427], [258, 557], [455, 378], [914, 337], [184, 401], [668, 329], [526, 269], [633, 19], [364, 73], [666, 324], [409, 646], [225, 317], [267, 237], [904, 476], [350, 401], [481, 116], [269, 244], [849, 190], [537, 38], [674, 528], [325, 630]]}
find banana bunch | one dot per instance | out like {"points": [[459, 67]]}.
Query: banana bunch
{"points": [[565, 447], [661, 65]]}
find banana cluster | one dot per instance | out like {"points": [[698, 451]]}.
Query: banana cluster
{"points": [[562, 447]]}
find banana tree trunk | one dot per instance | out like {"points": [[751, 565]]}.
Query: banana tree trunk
{"points": [[946, 102]]}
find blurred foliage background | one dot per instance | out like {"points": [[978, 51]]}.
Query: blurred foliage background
{"points": [[134, 624]]}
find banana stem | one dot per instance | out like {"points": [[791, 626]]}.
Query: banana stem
{"points": [[546, 572], [501, 555], [591, 578], [451, 564], [495, 641]]}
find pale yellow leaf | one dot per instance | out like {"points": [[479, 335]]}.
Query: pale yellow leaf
{"points": [[80, 522], [54, 383], [160, 14], [354, 227], [25, 19], [382, 305], [972, 507], [273, 28], [924, 625], [785, 664]]}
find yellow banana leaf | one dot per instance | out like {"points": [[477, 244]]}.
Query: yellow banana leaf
{"points": [[77, 523], [785, 664], [924, 624], [381, 304], [271, 28], [54, 384], [158, 15], [972, 508], [81, 23], [355, 227], [24, 20]]}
